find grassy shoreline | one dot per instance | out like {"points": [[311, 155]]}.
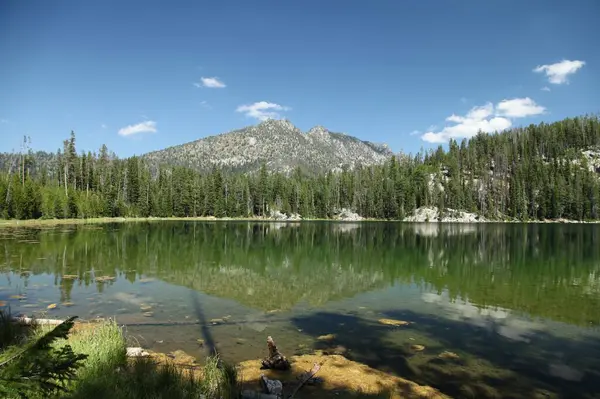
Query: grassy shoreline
{"points": [[61, 222], [107, 371], [9, 223]]}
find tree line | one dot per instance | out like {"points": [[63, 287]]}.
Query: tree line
{"points": [[531, 173]]}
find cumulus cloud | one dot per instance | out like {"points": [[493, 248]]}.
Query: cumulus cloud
{"points": [[262, 110], [212, 83], [485, 118], [519, 108], [545, 88], [559, 72], [143, 127]]}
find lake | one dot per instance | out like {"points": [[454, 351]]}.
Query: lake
{"points": [[491, 310]]}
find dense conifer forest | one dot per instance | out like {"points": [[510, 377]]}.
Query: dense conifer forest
{"points": [[545, 171]]}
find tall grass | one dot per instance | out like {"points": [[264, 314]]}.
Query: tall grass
{"points": [[11, 332], [108, 373]]}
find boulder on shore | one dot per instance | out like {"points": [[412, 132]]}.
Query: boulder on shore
{"points": [[432, 214], [137, 352], [280, 216], [347, 215]]}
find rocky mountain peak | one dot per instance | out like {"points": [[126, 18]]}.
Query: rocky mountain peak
{"points": [[276, 142], [282, 123], [318, 131], [274, 126]]}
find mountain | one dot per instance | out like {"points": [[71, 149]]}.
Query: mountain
{"points": [[278, 144]]}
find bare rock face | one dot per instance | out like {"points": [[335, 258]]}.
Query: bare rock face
{"points": [[348, 215], [432, 214], [592, 158], [279, 216]]}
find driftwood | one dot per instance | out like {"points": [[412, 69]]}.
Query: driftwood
{"points": [[275, 360], [29, 321], [309, 375]]}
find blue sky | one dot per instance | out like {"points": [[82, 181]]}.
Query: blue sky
{"points": [[143, 75]]}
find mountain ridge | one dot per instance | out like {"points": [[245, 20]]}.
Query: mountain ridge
{"points": [[278, 144]]}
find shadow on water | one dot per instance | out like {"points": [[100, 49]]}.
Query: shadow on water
{"points": [[484, 364], [209, 341]]}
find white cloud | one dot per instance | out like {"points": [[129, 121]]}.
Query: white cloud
{"points": [[486, 118], [212, 83], [415, 132], [205, 104], [519, 108], [262, 110], [559, 72], [144, 127], [545, 88]]}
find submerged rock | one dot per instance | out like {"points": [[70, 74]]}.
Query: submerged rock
{"points": [[417, 347], [392, 322], [326, 337], [336, 350], [448, 355], [181, 357]]}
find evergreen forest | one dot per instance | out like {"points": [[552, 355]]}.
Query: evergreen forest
{"points": [[545, 171]]}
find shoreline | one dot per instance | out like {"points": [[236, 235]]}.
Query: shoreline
{"points": [[337, 374], [10, 223]]}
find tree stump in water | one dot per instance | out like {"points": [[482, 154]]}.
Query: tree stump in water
{"points": [[275, 360]]}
